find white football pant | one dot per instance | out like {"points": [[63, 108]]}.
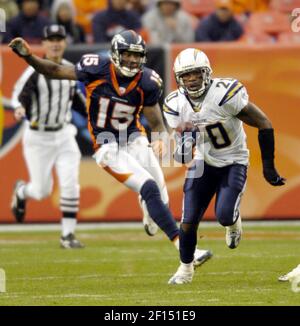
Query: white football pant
{"points": [[132, 165], [45, 150]]}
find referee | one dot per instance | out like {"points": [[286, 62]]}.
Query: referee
{"points": [[49, 138]]}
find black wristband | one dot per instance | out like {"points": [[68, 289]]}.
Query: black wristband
{"points": [[267, 146]]}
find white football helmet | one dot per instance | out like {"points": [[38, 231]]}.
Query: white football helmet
{"points": [[189, 60]]}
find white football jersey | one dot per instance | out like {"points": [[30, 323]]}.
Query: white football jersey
{"points": [[223, 132]]}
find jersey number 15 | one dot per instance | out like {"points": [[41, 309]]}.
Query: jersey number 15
{"points": [[121, 116]]}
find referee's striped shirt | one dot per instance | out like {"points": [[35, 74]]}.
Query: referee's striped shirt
{"points": [[47, 101]]}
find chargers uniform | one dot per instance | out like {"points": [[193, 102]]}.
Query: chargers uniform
{"points": [[217, 108], [224, 136], [225, 152], [114, 104]]}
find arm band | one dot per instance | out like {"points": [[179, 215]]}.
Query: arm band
{"points": [[266, 144]]}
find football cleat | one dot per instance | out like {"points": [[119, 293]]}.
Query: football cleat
{"points": [[18, 206], [183, 275], [201, 256], [294, 273], [283, 278], [70, 242], [234, 234], [150, 226]]}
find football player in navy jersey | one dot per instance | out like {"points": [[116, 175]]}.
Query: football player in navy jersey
{"points": [[118, 88]]}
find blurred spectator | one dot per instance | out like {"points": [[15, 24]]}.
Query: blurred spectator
{"points": [[85, 10], [29, 23], [10, 7], [140, 6], [220, 25], [45, 6], [167, 23], [115, 19], [63, 13]]}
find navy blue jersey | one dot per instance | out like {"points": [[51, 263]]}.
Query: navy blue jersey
{"points": [[113, 102]]}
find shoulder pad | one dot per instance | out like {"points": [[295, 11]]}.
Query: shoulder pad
{"points": [[170, 103], [226, 89], [151, 80], [93, 63]]}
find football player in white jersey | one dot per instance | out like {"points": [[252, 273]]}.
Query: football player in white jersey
{"points": [[209, 114]]}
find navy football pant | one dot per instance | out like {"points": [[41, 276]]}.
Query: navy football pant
{"points": [[228, 184]]}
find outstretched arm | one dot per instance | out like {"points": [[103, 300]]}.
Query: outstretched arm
{"points": [[254, 117], [43, 66]]}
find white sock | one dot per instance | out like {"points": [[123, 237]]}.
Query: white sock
{"points": [[68, 225], [187, 267], [176, 243], [199, 252], [21, 192]]}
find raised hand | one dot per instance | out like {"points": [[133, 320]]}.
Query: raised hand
{"points": [[20, 47]]}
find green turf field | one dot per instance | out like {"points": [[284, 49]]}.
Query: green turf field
{"points": [[126, 267]]}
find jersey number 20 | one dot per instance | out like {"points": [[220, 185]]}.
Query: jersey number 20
{"points": [[218, 135]]}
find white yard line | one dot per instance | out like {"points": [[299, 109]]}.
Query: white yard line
{"points": [[127, 295], [128, 225], [57, 226], [126, 275]]}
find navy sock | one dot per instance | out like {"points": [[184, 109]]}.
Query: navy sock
{"points": [[158, 211], [187, 242]]}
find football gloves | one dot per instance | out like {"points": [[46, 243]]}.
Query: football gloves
{"points": [[272, 176], [20, 47]]}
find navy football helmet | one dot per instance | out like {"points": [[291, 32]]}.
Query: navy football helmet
{"points": [[130, 41]]}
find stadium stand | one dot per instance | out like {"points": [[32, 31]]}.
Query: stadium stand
{"points": [[289, 38], [198, 8], [257, 38], [285, 6], [272, 22]]}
